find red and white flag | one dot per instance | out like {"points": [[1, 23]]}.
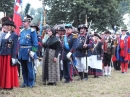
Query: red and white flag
{"points": [[17, 15]]}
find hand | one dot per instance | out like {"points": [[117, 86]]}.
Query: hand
{"points": [[55, 59], [69, 55], [31, 53], [101, 58], [85, 45], [14, 61]]}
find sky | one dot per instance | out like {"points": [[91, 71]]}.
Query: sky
{"points": [[34, 3]]}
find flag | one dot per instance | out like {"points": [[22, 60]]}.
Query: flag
{"points": [[17, 15]]}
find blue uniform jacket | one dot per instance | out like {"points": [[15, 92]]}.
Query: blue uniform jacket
{"points": [[72, 41], [80, 51], [9, 45], [27, 38]]}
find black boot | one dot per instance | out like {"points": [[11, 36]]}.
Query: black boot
{"points": [[80, 75], [61, 75], [85, 76]]}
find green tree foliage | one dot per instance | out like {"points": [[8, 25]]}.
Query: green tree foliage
{"points": [[103, 13], [7, 6]]}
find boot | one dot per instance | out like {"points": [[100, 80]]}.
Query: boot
{"points": [[81, 76], [105, 70], [109, 70], [61, 75], [85, 76]]}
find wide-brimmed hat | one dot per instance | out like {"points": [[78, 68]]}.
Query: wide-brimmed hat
{"points": [[95, 34], [60, 28], [107, 32], [124, 29], [36, 26], [9, 22], [27, 18]]}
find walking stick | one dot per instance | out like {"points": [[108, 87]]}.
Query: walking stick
{"points": [[74, 67]]}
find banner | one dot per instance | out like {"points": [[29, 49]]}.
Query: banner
{"points": [[17, 15]]}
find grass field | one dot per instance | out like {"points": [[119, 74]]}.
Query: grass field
{"points": [[116, 85]]}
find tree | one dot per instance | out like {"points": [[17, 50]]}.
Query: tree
{"points": [[103, 13], [7, 6]]}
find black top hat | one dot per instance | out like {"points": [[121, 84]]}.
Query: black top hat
{"points": [[68, 26], [9, 22], [4, 19], [34, 25], [82, 26], [27, 18], [95, 34]]}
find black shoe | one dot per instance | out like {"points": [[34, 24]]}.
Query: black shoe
{"points": [[66, 82], [8, 88], [23, 86], [85, 79], [30, 86], [95, 76], [51, 84]]}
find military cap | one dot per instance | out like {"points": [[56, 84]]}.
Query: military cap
{"points": [[68, 26], [60, 28], [82, 26], [27, 18]]}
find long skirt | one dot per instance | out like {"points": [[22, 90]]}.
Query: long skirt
{"points": [[50, 69], [8, 73], [95, 66]]}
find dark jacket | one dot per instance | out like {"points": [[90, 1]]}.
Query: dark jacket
{"points": [[98, 49], [9, 45], [80, 51]]}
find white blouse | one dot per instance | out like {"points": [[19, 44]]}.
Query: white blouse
{"points": [[7, 35]]}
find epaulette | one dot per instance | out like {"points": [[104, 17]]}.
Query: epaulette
{"points": [[32, 29], [75, 36]]}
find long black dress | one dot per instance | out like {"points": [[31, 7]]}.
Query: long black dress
{"points": [[50, 69]]}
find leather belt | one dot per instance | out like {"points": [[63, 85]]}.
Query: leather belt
{"points": [[25, 46]]}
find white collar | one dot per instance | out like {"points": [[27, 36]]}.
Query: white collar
{"points": [[123, 37]]}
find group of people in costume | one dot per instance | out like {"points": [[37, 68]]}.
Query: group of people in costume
{"points": [[64, 52]]}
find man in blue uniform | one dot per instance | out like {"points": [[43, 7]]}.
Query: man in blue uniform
{"points": [[28, 43], [69, 46], [84, 44]]}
